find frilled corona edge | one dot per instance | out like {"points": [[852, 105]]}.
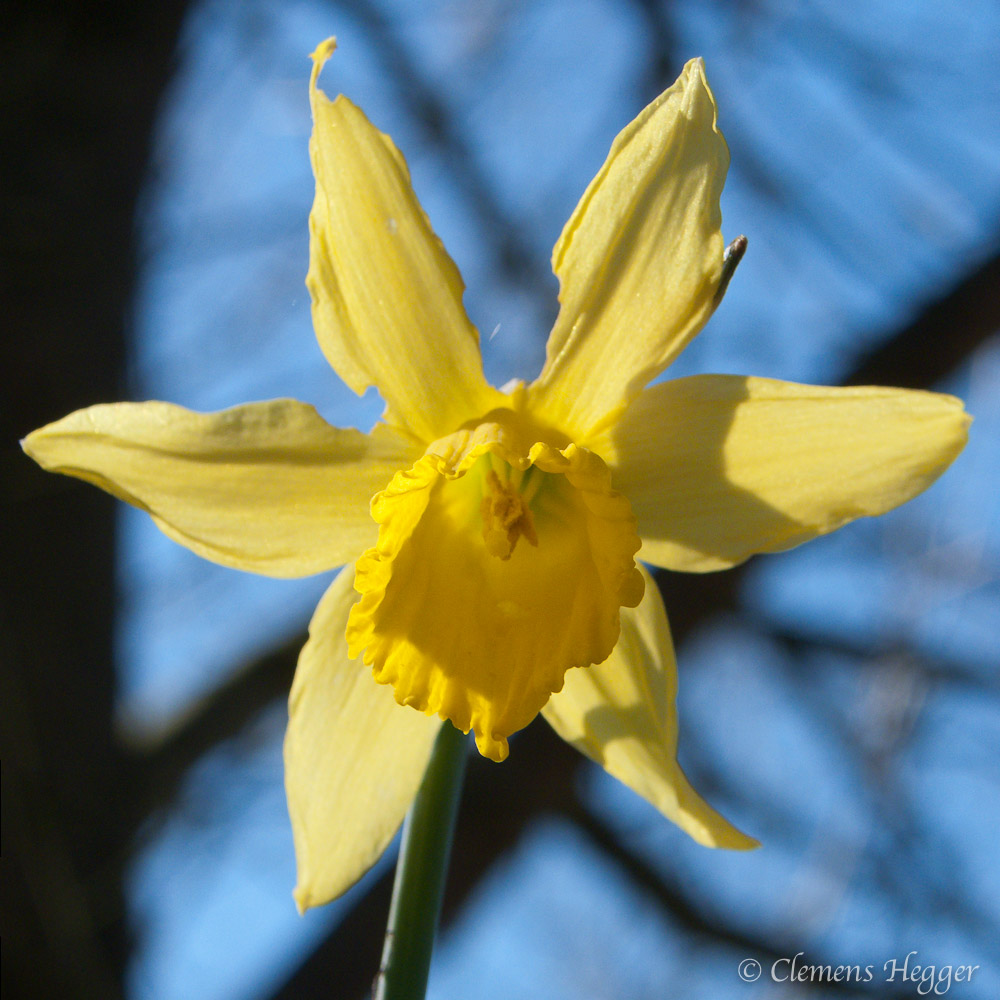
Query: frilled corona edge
{"points": [[484, 637]]}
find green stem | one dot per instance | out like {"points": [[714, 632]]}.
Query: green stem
{"points": [[420, 872]]}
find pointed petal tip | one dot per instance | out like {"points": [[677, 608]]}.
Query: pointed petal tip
{"points": [[33, 443], [319, 56], [694, 74], [703, 823], [323, 51], [728, 838], [694, 67], [697, 90]]}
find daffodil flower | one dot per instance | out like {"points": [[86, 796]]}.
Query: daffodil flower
{"points": [[493, 534]]}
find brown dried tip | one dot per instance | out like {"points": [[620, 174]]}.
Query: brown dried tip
{"points": [[730, 261]]}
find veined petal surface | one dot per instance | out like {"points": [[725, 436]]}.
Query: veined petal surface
{"points": [[639, 260], [622, 714], [479, 625], [387, 298], [353, 758], [718, 467], [266, 487]]}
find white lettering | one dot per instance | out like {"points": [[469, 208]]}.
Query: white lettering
{"points": [[774, 968], [926, 979], [897, 969]]}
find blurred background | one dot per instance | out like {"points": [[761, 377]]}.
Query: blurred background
{"points": [[840, 702]]}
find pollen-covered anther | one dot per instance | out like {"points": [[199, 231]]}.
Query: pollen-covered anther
{"points": [[506, 517]]}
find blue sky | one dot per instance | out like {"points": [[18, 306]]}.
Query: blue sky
{"points": [[866, 172]]}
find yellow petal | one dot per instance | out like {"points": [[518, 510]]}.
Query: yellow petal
{"points": [[353, 758], [718, 467], [490, 579], [621, 713], [387, 298], [639, 260], [267, 487]]}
